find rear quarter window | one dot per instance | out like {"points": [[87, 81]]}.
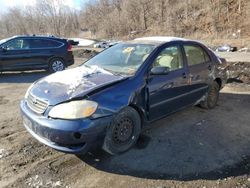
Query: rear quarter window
{"points": [[195, 55], [44, 43]]}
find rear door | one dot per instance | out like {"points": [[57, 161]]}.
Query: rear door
{"points": [[15, 55], [200, 68], [43, 50], [167, 93]]}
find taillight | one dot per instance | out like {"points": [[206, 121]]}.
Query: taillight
{"points": [[69, 47]]}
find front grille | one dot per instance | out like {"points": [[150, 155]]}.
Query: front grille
{"points": [[37, 105]]}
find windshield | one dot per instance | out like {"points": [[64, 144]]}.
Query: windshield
{"points": [[3, 40], [124, 58]]}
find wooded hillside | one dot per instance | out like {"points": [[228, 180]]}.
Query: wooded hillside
{"points": [[124, 18]]}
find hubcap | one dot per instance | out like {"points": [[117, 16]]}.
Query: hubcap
{"points": [[57, 66], [123, 131]]}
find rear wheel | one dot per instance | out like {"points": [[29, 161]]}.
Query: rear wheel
{"points": [[212, 96], [123, 132], [56, 65]]}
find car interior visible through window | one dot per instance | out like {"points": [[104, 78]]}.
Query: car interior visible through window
{"points": [[123, 58], [169, 57], [195, 55], [16, 44]]}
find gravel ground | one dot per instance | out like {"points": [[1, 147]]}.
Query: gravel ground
{"points": [[191, 148]]}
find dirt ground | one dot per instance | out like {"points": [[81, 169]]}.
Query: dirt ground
{"points": [[191, 148]]}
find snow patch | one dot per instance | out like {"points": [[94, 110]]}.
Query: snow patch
{"points": [[75, 77], [72, 76], [83, 42]]}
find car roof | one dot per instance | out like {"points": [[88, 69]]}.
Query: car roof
{"points": [[36, 36], [158, 40]]}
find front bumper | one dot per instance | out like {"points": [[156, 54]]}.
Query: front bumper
{"points": [[69, 136]]}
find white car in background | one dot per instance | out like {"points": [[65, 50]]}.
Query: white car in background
{"points": [[106, 44], [226, 48], [101, 45]]}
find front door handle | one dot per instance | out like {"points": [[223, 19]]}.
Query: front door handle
{"points": [[184, 75], [209, 67]]}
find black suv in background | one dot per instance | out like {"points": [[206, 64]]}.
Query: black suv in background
{"points": [[35, 52]]}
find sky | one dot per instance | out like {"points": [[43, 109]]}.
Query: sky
{"points": [[5, 4]]}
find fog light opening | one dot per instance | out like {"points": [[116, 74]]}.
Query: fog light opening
{"points": [[77, 135]]}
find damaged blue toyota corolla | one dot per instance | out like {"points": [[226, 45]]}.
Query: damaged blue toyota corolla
{"points": [[114, 95]]}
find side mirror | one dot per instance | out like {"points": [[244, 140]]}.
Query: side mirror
{"points": [[160, 70]]}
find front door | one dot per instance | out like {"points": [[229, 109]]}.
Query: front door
{"points": [[15, 55], [166, 93]]}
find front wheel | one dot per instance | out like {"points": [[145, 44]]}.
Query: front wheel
{"points": [[123, 132], [56, 65], [212, 96]]}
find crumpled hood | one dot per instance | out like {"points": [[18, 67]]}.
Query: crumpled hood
{"points": [[72, 83]]}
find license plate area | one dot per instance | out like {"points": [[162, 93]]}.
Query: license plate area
{"points": [[29, 124], [36, 129]]}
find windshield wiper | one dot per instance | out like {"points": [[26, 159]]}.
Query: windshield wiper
{"points": [[116, 73], [108, 70]]}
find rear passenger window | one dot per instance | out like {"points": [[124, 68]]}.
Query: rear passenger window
{"points": [[44, 43], [196, 55]]}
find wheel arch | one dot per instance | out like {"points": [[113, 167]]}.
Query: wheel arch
{"points": [[218, 81], [140, 112], [55, 57], [50, 62], [109, 144]]}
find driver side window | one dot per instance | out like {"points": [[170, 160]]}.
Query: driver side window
{"points": [[170, 57], [16, 44]]}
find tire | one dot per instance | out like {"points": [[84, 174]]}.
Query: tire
{"points": [[123, 132], [56, 64], [212, 96]]}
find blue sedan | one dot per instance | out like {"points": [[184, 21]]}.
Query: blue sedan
{"points": [[116, 94]]}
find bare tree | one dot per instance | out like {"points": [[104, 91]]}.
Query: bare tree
{"points": [[119, 18]]}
